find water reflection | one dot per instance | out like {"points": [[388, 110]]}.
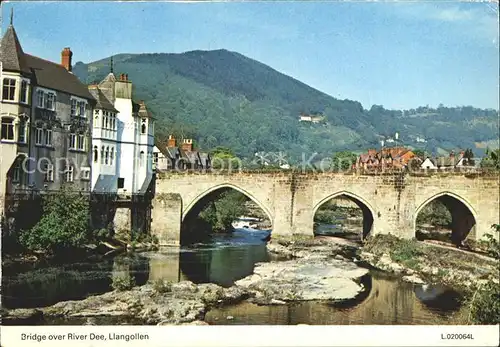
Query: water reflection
{"points": [[388, 302]]}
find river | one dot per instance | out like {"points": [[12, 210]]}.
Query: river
{"points": [[223, 259]]}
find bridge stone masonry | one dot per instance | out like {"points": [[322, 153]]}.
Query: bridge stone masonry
{"points": [[390, 202]]}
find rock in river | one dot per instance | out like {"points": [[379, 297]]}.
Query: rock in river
{"points": [[304, 279]]}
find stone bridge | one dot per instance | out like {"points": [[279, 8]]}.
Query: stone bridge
{"points": [[390, 202]]}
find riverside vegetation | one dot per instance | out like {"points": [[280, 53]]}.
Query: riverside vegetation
{"points": [[477, 277], [64, 230]]}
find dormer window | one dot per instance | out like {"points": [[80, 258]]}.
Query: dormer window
{"points": [[9, 89]]}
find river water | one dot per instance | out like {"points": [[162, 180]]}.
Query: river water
{"points": [[223, 259]]}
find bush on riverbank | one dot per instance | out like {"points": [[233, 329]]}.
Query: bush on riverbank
{"points": [[484, 299], [123, 282], [64, 224]]}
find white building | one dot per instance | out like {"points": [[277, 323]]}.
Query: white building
{"points": [[122, 139]]}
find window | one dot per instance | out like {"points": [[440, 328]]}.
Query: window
{"points": [[50, 101], [9, 89], [111, 155], [69, 173], [39, 136], [40, 97], [22, 132], [81, 108], [48, 137], [141, 159], [106, 156], [16, 174], [81, 142], [113, 123], [72, 141], [143, 126], [121, 182], [7, 128], [96, 154], [96, 121], [102, 155], [103, 117], [24, 92], [73, 107], [106, 125], [85, 173], [49, 173]]}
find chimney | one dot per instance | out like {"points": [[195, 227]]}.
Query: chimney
{"points": [[171, 141], [66, 55], [187, 145], [452, 154]]}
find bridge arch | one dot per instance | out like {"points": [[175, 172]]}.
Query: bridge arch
{"points": [[365, 206], [463, 215], [199, 197]]}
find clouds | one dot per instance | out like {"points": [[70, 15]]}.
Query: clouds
{"points": [[474, 21]]}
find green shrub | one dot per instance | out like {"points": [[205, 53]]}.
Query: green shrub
{"points": [[484, 304], [64, 224], [161, 286], [123, 283]]}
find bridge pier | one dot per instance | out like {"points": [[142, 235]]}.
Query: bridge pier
{"points": [[166, 218]]}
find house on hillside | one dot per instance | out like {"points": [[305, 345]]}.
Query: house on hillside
{"points": [[316, 118]]}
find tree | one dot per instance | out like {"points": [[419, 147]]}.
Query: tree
{"points": [[343, 161], [419, 153], [492, 159], [221, 213], [64, 224], [469, 157]]}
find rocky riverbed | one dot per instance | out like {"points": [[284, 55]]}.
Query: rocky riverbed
{"points": [[184, 302]]}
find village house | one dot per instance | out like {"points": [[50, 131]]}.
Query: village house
{"points": [[447, 162], [185, 157], [45, 124], [386, 158]]}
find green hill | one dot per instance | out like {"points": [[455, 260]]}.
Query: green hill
{"points": [[222, 98]]}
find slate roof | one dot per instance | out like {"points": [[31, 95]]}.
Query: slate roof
{"points": [[12, 55], [45, 73], [102, 101], [55, 76], [141, 109], [193, 156]]}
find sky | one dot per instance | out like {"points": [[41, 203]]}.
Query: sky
{"points": [[397, 54]]}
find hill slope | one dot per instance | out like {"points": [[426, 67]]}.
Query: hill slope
{"points": [[224, 98]]}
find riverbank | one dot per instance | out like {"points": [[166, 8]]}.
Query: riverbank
{"points": [[110, 247], [420, 262]]}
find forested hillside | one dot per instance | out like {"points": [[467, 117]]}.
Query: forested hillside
{"points": [[222, 98]]}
